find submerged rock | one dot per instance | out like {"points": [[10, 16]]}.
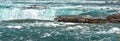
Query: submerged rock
{"points": [[80, 20], [115, 18]]}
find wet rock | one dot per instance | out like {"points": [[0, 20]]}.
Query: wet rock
{"points": [[115, 18], [80, 20]]}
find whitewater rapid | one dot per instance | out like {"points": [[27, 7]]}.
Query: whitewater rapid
{"points": [[59, 30], [15, 12]]}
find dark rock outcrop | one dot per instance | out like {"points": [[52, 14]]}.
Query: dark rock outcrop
{"points": [[115, 18], [80, 20]]}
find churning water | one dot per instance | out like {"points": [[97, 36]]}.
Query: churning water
{"points": [[18, 23]]}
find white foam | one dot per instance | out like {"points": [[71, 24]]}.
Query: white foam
{"points": [[114, 30], [79, 26], [70, 28], [70, 23], [46, 24], [17, 27], [102, 32], [46, 35], [30, 13], [17, 13], [64, 7], [49, 24], [74, 28]]}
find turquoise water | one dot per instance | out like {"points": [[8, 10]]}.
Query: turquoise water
{"points": [[58, 31], [20, 24]]}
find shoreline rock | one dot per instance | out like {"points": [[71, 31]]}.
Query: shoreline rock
{"points": [[80, 20], [115, 18]]}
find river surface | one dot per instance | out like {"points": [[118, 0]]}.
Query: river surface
{"points": [[17, 23]]}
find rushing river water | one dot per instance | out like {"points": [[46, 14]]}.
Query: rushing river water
{"points": [[18, 23], [58, 31]]}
